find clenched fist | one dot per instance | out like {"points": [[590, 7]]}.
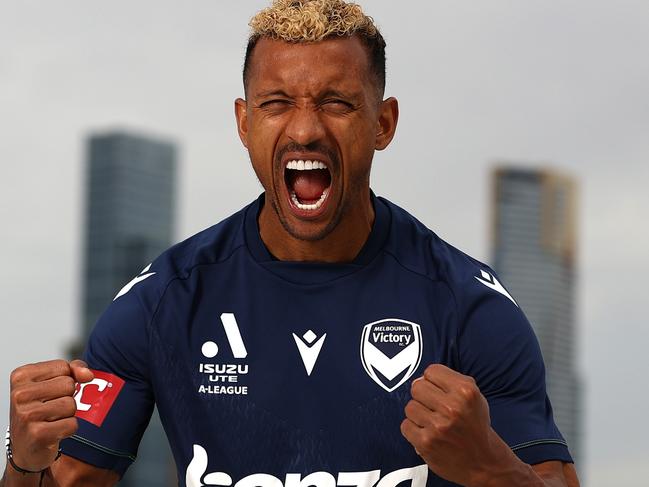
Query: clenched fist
{"points": [[448, 423], [42, 409]]}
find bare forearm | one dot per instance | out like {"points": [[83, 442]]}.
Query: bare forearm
{"points": [[520, 474], [513, 473], [12, 478], [503, 468], [65, 472]]}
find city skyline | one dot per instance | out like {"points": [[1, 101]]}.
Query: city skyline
{"points": [[535, 81]]}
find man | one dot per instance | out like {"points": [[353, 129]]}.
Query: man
{"points": [[320, 336]]}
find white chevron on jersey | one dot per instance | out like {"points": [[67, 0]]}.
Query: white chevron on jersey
{"points": [[135, 280], [492, 283]]}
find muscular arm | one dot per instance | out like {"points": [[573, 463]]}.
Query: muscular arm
{"points": [[557, 474], [447, 422], [65, 472], [514, 473]]}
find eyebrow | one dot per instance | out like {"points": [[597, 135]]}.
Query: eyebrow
{"points": [[266, 94], [326, 94], [339, 94]]}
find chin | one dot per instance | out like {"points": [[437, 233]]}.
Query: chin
{"points": [[304, 229]]}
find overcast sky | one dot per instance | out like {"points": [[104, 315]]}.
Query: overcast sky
{"points": [[533, 82]]}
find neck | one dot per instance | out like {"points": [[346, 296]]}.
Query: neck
{"points": [[342, 244]]}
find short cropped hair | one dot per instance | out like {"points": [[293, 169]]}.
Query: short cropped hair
{"points": [[315, 20]]}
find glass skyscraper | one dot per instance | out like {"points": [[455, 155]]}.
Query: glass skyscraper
{"points": [[129, 220], [534, 237]]}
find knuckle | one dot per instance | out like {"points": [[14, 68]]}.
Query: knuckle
{"points": [[402, 427], [470, 383], [431, 369], [29, 416], [452, 412], [17, 376], [69, 406], [70, 427], [19, 396], [63, 366], [21, 416], [69, 385], [36, 432], [418, 388], [442, 429], [468, 392], [14, 397], [428, 439], [410, 407]]}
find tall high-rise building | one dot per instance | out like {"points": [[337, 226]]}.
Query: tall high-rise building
{"points": [[534, 237], [129, 220]]}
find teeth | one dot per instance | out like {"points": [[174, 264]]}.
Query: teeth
{"points": [[314, 206], [300, 165]]}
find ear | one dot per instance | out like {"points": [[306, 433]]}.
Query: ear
{"points": [[241, 114], [387, 123]]}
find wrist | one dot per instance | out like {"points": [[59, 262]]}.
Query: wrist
{"points": [[14, 478], [504, 469], [19, 468], [515, 475]]}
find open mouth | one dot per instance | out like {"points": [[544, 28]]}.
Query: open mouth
{"points": [[308, 183]]}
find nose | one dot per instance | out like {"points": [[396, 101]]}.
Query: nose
{"points": [[305, 126]]}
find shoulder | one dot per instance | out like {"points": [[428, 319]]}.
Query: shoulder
{"points": [[420, 250], [210, 246], [119, 340], [483, 306]]}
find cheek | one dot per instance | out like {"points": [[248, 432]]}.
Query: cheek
{"points": [[360, 141], [262, 141]]}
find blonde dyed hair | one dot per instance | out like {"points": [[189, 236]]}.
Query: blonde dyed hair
{"points": [[316, 20], [311, 20]]}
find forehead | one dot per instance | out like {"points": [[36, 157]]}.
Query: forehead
{"points": [[335, 63]]}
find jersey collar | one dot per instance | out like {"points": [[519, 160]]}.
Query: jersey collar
{"points": [[317, 271]]}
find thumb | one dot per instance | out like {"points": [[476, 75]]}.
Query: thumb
{"points": [[80, 371]]}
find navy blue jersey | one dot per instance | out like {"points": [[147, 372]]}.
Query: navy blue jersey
{"points": [[292, 374]]}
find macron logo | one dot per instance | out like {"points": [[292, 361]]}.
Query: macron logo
{"points": [[145, 274], [309, 350], [492, 283]]}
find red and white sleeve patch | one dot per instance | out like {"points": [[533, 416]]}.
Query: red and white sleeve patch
{"points": [[95, 398]]}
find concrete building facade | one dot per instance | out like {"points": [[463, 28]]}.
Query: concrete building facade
{"points": [[534, 247]]}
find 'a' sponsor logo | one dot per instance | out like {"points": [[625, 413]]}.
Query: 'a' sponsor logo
{"points": [[391, 351], [95, 398]]}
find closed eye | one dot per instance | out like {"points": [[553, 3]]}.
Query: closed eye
{"points": [[337, 105], [277, 103]]}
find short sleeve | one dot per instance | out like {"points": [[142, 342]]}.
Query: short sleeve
{"points": [[498, 348], [118, 406]]}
